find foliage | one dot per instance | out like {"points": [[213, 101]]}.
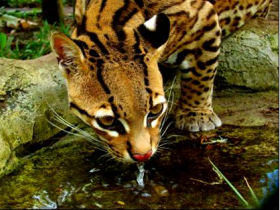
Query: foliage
{"points": [[22, 3], [238, 194], [34, 12], [37, 46]]}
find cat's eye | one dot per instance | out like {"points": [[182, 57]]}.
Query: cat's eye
{"points": [[154, 113], [156, 109], [111, 123], [105, 121]]}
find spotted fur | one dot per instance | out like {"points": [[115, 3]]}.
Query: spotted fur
{"points": [[111, 65]]}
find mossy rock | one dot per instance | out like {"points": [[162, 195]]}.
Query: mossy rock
{"points": [[27, 91], [249, 57]]}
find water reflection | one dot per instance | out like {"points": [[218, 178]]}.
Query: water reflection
{"points": [[43, 201], [71, 177], [271, 184]]}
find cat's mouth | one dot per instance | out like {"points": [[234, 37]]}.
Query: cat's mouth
{"points": [[129, 157], [138, 157]]}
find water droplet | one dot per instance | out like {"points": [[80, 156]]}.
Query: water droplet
{"points": [[135, 192], [174, 186], [105, 184], [98, 205], [94, 170], [127, 185], [146, 195], [43, 201], [118, 181], [140, 176]]}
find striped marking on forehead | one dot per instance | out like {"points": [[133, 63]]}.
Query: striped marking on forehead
{"points": [[102, 6], [100, 78], [121, 17], [141, 61], [114, 106]]}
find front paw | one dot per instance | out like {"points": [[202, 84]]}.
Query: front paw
{"points": [[198, 120]]}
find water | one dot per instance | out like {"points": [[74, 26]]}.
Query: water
{"points": [[43, 200], [140, 176], [71, 175]]}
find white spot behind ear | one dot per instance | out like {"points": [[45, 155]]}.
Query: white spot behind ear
{"points": [[185, 65], [151, 23]]}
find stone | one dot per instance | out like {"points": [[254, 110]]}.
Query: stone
{"points": [[249, 57], [27, 91]]}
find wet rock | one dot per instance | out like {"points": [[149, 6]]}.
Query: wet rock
{"points": [[146, 195], [247, 109], [161, 190]]}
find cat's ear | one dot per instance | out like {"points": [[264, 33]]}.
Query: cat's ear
{"points": [[156, 30], [68, 53]]}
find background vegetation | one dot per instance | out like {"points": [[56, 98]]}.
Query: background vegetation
{"points": [[32, 41]]}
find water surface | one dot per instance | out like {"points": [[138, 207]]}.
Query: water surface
{"points": [[71, 174]]}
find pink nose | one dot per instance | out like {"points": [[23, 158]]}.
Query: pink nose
{"points": [[141, 158]]}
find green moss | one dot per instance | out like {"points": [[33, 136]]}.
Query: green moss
{"points": [[273, 39], [248, 58]]}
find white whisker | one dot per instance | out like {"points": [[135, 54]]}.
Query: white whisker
{"points": [[170, 100], [69, 132], [58, 118], [174, 136], [167, 127], [82, 134]]}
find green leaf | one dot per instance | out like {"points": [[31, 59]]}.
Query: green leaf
{"points": [[253, 193], [220, 174], [3, 41]]}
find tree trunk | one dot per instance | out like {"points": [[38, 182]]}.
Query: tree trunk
{"points": [[52, 11]]}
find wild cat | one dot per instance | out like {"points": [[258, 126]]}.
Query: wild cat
{"points": [[111, 65]]}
